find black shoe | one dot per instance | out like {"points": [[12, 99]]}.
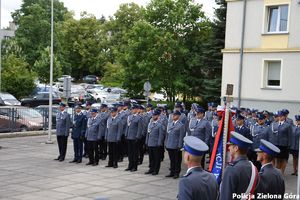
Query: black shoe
{"points": [[60, 160], [103, 158], [133, 170], [86, 156], [127, 169], [170, 175], [176, 176], [56, 158], [154, 173], [95, 164], [139, 163], [115, 166], [120, 160], [73, 161], [79, 161], [108, 166], [89, 163], [148, 172]]}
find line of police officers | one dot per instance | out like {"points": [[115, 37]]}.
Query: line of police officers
{"points": [[128, 132]]}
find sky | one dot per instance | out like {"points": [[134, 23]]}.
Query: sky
{"points": [[96, 7]]}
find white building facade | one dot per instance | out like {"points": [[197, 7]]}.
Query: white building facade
{"points": [[270, 69]]}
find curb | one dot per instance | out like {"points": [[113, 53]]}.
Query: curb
{"points": [[23, 134]]}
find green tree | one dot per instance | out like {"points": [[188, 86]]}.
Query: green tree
{"points": [[42, 66], [33, 20], [84, 46], [113, 76], [16, 78]]}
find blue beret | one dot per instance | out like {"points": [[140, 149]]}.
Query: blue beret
{"points": [[209, 104], [240, 140], [215, 114], [260, 116], [103, 105], [126, 103], [156, 112], [88, 103], [194, 106], [135, 106], [297, 117], [176, 112], [275, 114], [149, 105], [214, 104], [280, 113], [62, 104], [194, 146], [268, 148], [200, 110], [178, 105], [113, 109], [240, 117], [285, 111], [78, 106], [94, 110]]}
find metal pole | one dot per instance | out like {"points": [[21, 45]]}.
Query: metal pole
{"points": [[0, 46], [241, 54], [298, 184], [49, 141]]}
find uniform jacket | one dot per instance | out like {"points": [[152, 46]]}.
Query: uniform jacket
{"points": [[175, 135], [124, 115], [201, 129], [103, 116], [79, 126], [270, 181], [214, 129], [273, 134], [146, 117], [209, 115], [259, 132], [134, 127], [236, 178], [92, 132], [198, 184], [114, 129], [294, 141], [243, 130], [280, 134], [290, 121], [63, 123], [155, 134]]}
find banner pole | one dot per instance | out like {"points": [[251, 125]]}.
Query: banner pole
{"points": [[225, 132]]}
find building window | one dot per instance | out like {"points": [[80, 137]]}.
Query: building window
{"points": [[278, 18], [272, 73]]}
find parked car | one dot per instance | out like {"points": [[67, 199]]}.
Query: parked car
{"points": [[160, 96], [61, 79], [40, 99], [20, 119], [94, 86], [92, 79], [8, 99]]}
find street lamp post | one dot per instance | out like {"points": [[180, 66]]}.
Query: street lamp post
{"points": [[49, 141]]}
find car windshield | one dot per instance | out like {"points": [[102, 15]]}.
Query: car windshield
{"points": [[30, 113], [6, 97]]}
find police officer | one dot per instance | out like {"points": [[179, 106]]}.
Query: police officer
{"points": [[196, 183], [132, 135], [174, 142], [63, 124], [154, 140], [113, 136], [78, 133], [214, 130], [103, 116], [294, 144], [258, 131], [92, 136], [192, 113], [209, 112], [200, 128], [241, 128], [282, 141], [271, 181], [123, 113], [141, 142], [239, 173], [88, 115], [286, 113], [163, 119], [182, 118]]}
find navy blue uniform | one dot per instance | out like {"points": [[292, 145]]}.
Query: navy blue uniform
{"points": [[243, 130], [78, 133]]}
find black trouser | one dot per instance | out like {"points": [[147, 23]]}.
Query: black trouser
{"points": [[132, 154], [162, 153], [142, 149], [122, 148], [85, 147], [112, 154], [62, 142], [102, 148], [154, 159], [252, 156], [175, 161], [93, 151], [78, 148]]}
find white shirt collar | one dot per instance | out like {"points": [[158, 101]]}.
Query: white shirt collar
{"points": [[189, 169], [265, 165]]}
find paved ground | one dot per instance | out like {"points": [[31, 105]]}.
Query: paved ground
{"points": [[28, 172]]}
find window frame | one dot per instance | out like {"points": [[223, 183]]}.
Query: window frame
{"points": [[265, 73], [267, 19]]}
